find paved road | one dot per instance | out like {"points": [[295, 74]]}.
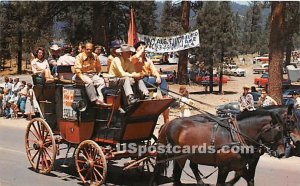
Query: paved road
{"points": [[15, 168]]}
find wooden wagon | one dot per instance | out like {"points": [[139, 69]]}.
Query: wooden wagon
{"points": [[67, 117]]}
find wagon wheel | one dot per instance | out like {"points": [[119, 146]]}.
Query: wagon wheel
{"points": [[90, 163], [40, 145], [149, 163]]}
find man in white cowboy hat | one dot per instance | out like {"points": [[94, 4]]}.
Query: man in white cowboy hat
{"points": [[122, 67], [87, 66], [246, 100], [53, 58]]}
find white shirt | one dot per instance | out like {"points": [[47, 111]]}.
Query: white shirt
{"points": [[66, 60], [185, 109], [38, 65]]}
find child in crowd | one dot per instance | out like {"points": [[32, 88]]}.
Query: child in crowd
{"points": [[14, 109], [184, 100], [22, 97], [29, 109]]}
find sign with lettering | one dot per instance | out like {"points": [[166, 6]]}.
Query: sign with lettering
{"points": [[171, 44], [68, 98]]}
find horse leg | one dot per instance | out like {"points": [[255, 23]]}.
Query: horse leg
{"points": [[250, 174], [196, 172], [178, 166], [237, 176], [159, 168], [222, 175]]}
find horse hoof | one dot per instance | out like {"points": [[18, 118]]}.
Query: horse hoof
{"points": [[177, 183]]}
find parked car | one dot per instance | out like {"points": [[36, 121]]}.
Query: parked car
{"points": [[261, 69], [168, 75], [234, 70], [263, 58], [156, 58], [216, 80], [262, 81], [288, 93], [233, 108]]}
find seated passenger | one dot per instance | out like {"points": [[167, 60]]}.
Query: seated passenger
{"points": [[122, 67], [87, 67], [66, 60], [145, 66], [40, 66]]}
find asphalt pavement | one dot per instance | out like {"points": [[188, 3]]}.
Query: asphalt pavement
{"points": [[15, 168]]}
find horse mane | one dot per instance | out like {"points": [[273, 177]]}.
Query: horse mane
{"points": [[255, 113]]}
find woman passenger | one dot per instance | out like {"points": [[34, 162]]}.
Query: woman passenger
{"points": [[40, 66]]}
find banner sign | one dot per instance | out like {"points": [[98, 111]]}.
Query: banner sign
{"points": [[171, 44]]}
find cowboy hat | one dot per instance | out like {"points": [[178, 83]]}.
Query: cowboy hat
{"points": [[54, 47], [125, 48], [246, 87], [115, 43]]}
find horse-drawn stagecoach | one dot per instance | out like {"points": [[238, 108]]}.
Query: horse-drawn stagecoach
{"points": [[67, 117]]}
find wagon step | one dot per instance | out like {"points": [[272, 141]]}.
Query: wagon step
{"points": [[45, 101]]}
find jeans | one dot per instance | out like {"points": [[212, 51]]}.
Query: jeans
{"points": [[163, 85]]}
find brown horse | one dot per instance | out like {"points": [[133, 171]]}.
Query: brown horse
{"points": [[197, 130]]}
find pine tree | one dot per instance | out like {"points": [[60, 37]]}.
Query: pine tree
{"points": [[276, 51]]}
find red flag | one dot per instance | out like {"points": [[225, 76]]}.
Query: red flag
{"points": [[132, 36]]}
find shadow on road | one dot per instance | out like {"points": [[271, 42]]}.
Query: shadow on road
{"points": [[214, 92], [115, 176]]}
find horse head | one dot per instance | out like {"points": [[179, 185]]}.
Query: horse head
{"points": [[287, 117], [267, 127]]}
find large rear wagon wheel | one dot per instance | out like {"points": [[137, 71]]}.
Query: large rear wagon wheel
{"points": [[40, 145], [90, 163]]}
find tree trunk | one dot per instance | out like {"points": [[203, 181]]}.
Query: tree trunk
{"points": [[276, 51], [211, 72], [20, 46], [183, 55], [100, 25], [289, 46], [221, 71]]}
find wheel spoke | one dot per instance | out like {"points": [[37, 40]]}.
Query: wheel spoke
{"points": [[86, 153], [45, 136], [80, 161], [39, 136], [39, 127], [34, 155], [95, 176], [31, 140], [87, 174], [47, 153], [99, 166], [99, 174], [38, 161], [34, 134], [46, 161]]}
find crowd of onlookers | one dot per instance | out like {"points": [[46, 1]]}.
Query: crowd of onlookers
{"points": [[16, 98]]}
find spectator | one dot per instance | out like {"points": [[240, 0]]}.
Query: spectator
{"points": [[253, 89], [174, 77], [22, 97], [29, 108], [8, 85], [184, 100], [246, 100], [16, 88], [6, 104], [265, 100]]}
